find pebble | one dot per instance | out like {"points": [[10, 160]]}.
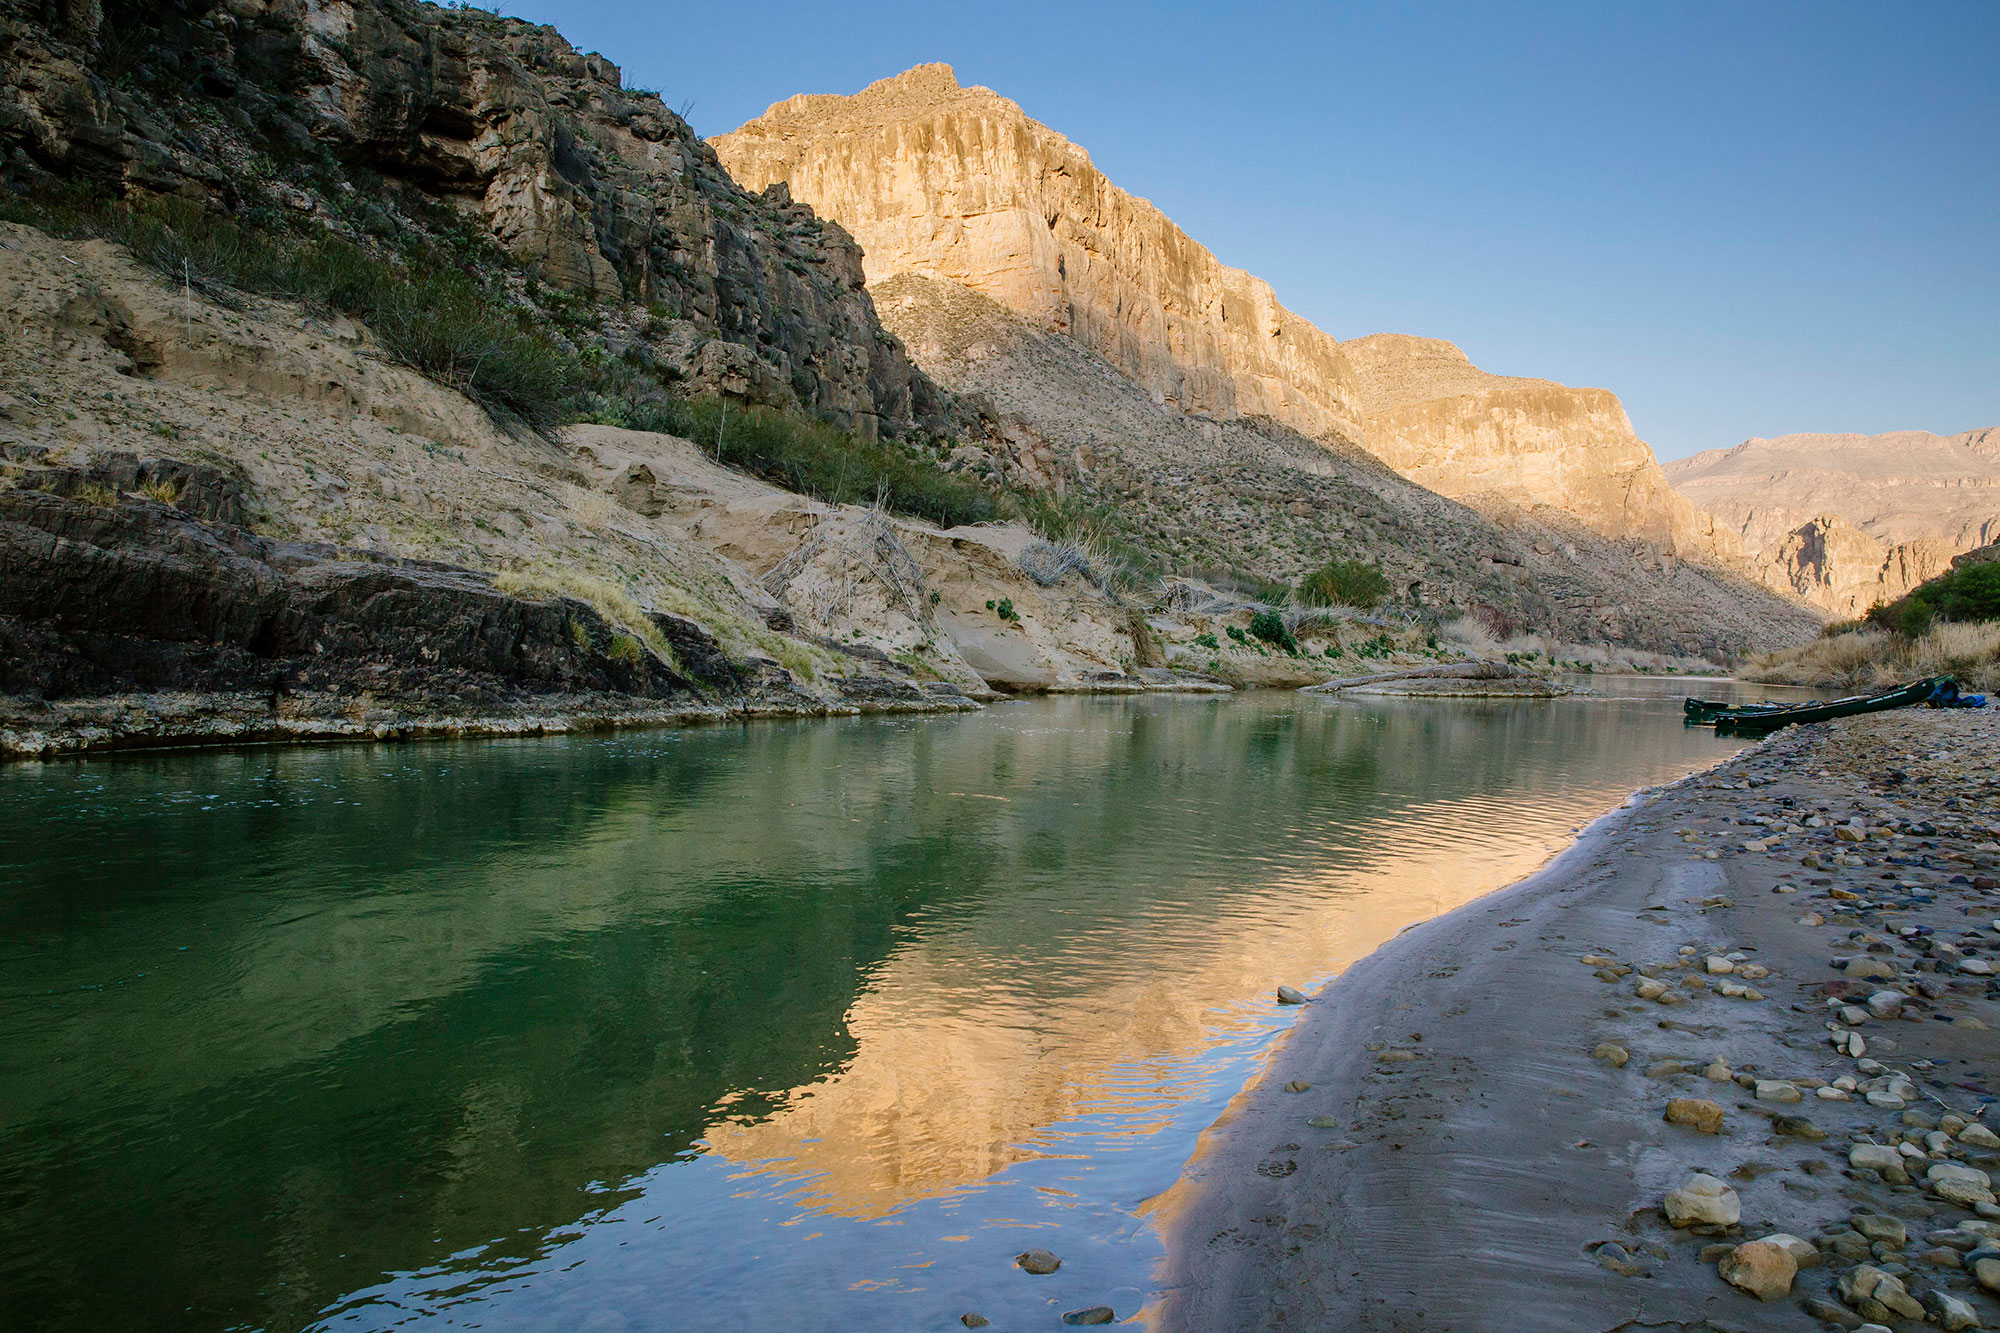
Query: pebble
{"points": [[1039, 1262], [1862, 969], [1298, 1085], [1324, 1122], [1703, 1201], [1778, 1090], [1763, 1269], [1718, 965], [1612, 1051], [1885, 1003], [1977, 967], [1696, 1113], [1286, 995], [974, 1319], [1090, 1314]]}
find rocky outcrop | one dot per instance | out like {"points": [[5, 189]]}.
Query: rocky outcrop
{"points": [[1846, 521], [111, 599], [600, 190], [1441, 421], [959, 183]]}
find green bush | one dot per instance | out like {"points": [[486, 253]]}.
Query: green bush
{"points": [[808, 456], [1344, 583], [1968, 593], [1270, 627], [1208, 641]]}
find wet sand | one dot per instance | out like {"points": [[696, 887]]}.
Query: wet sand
{"points": [[1458, 1158]]}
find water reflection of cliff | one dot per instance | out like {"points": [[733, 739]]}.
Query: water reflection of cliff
{"points": [[436, 999]]}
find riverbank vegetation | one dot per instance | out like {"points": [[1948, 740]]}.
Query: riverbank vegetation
{"points": [[1948, 625]]}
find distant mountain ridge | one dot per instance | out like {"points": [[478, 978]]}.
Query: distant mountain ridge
{"points": [[1847, 520]]}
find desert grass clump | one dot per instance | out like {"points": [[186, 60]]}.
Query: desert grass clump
{"points": [[166, 492], [1353, 583]]}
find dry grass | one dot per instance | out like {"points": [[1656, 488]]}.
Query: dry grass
{"points": [[1873, 658], [607, 599]]}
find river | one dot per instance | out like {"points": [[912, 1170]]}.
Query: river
{"points": [[800, 1025]]}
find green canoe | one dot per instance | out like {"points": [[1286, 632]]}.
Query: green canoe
{"points": [[1753, 719]]}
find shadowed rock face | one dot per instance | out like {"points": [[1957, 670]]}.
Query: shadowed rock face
{"points": [[601, 190], [1846, 521], [100, 598]]}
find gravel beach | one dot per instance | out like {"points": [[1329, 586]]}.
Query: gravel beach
{"points": [[1726, 1063]]}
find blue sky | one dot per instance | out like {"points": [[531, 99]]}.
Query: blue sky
{"points": [[1746, 218]]}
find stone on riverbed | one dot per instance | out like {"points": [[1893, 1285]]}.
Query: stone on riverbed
{"points": [[1613, 1052], [1090, 1314], [1951, 1312], [1703, 1201], [1878, 1295], [1962, 1185], [1694, 1112], [1761, 1268], [1286, 995], [974, 1319], [1039, 1262], [1862, 969], [1878, 1157], [1804, 1253], [1778, 1090]]}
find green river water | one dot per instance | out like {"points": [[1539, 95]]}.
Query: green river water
{"points": [[804, 1025]]}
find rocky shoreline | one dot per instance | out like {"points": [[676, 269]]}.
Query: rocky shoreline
{"points": [[1729, 1062]]}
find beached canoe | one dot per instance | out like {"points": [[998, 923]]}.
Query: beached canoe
{"points": [[1754, 719]]}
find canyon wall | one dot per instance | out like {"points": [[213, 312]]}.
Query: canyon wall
{"points": [[1845, 521], [943, 181], [319, 112]]}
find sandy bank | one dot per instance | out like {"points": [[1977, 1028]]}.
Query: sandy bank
{"points": [[1458, 1159]]}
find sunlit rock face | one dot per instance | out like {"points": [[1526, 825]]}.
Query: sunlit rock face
{"points": [[959, 183], [951, 182], [1443, 422], [1846, 521]]}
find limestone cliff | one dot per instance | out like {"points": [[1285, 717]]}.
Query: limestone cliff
{"points": [[958, 183], [1846, 521], [318, 111], [1441, 421]]}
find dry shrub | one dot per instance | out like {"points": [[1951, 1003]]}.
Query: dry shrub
{"points": [[1871, 659]]}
